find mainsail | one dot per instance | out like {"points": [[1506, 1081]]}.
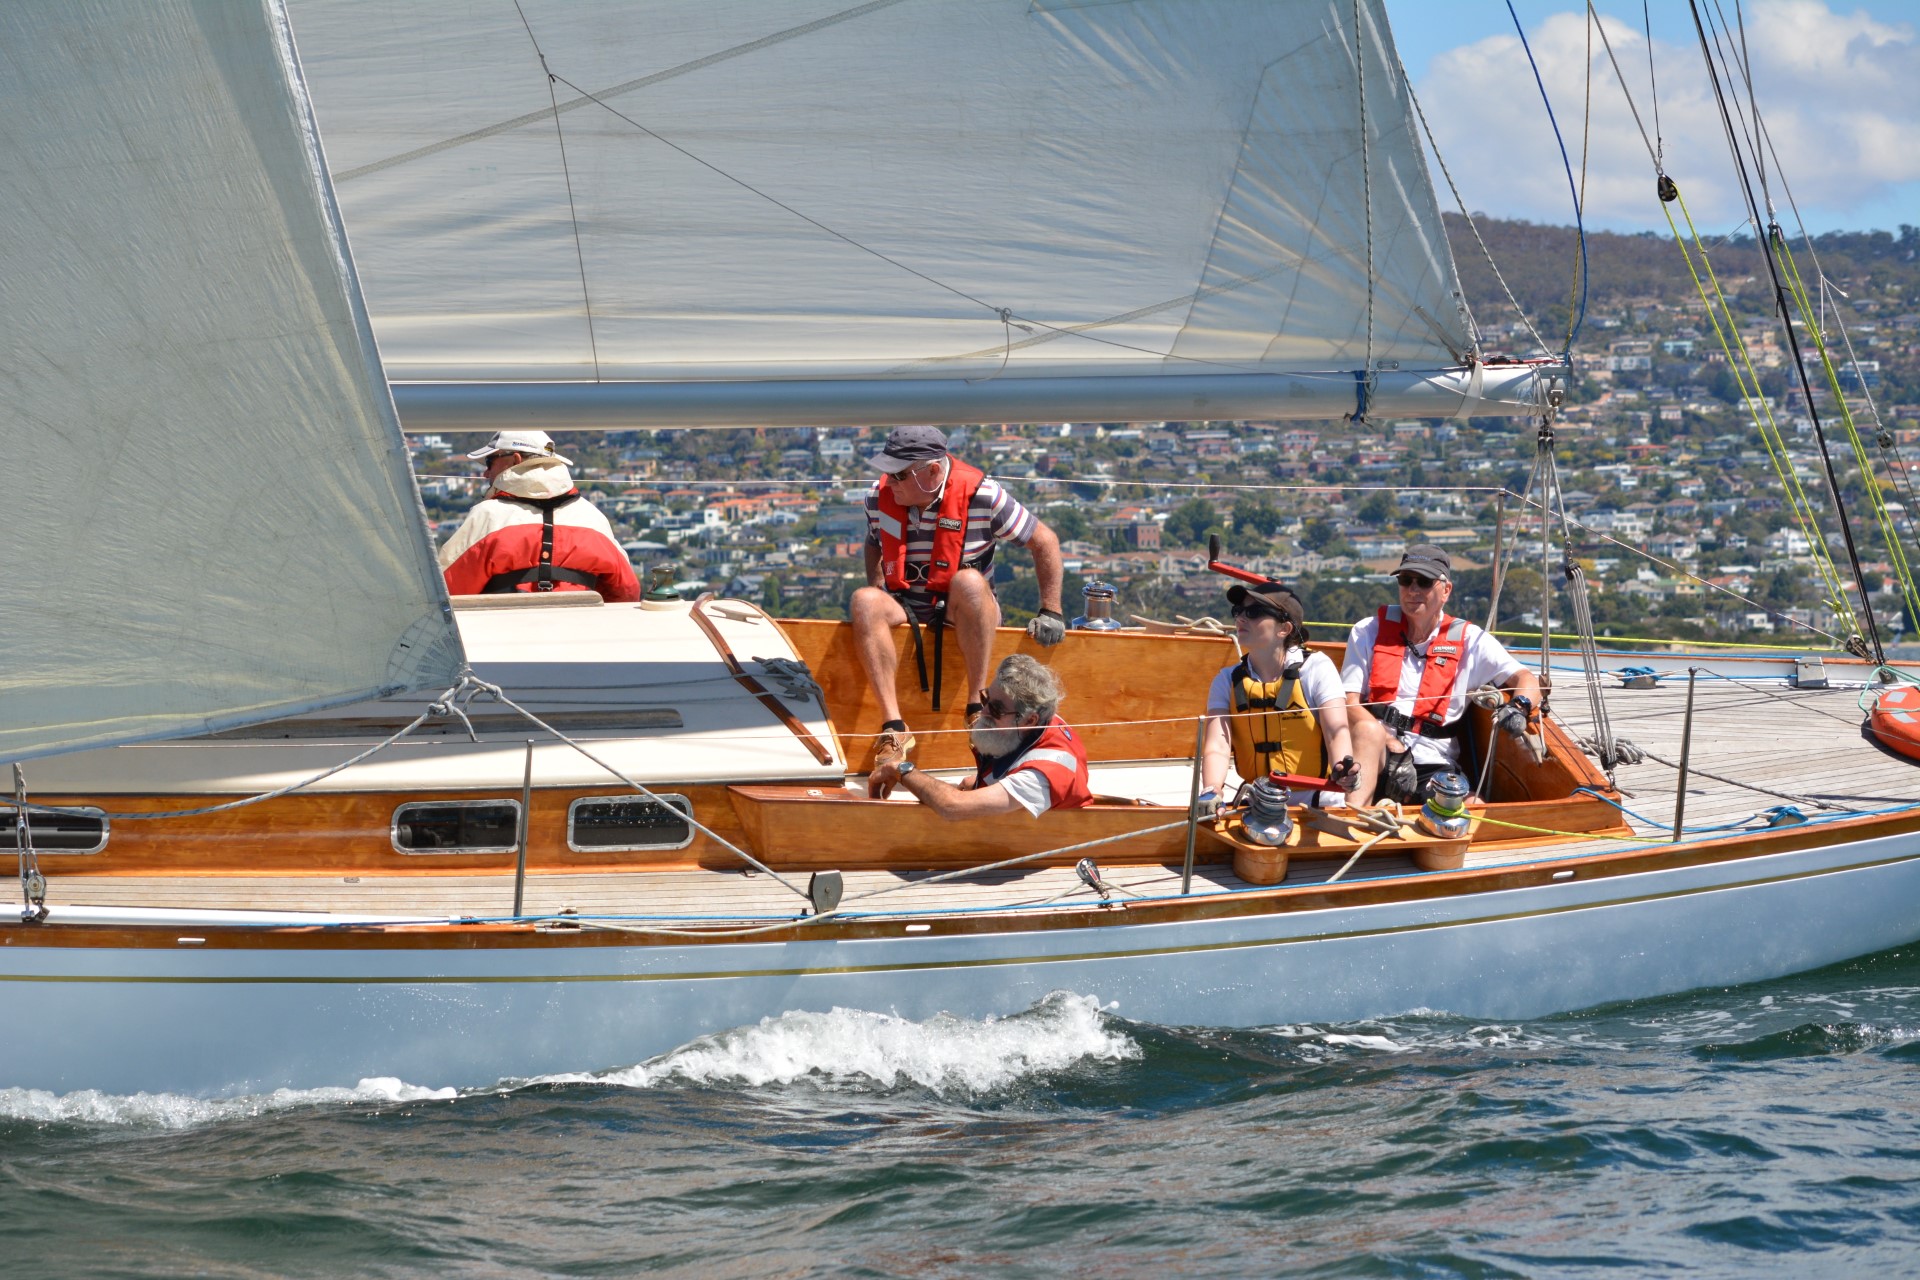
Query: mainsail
{"points": [[725, 211], [211, 519]]}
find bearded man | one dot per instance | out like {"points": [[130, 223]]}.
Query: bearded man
{"points": [[1027, 757]]}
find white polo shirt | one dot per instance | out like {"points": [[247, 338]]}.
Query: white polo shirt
{"points": [[1483, 660]]}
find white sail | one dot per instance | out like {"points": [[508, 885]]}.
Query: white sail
{"points": [[903, 207], [210, 519]]}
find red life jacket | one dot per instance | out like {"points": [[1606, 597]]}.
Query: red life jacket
{"points": [[949, 534], [1444, 652], [1058, 756]]}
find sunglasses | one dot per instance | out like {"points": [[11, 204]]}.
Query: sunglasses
{"points": [[1256, 612], [1413, 579], [997, 709]]}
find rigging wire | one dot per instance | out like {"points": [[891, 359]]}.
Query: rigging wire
{"points": [[1472, 225], [1815, 324], [573, 213], [1366, 189], [1580, 197], [1872, 625], [1726, 332], [1579, 221]]}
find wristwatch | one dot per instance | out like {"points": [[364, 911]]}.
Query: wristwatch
{"points": [[905, 767]]}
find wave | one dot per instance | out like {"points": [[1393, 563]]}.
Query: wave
{"points": [[860, 1050], [177, 1111], [843, 1049]]}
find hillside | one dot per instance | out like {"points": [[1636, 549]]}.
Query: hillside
{"points": [[1877, 268]]}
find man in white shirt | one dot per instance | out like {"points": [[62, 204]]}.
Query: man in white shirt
{"points": [[1407, 673]]}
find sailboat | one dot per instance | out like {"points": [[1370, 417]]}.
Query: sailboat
{"points": [[286, 814]]}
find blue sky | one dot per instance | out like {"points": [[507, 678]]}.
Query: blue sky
{"points": [[1838, 85]]}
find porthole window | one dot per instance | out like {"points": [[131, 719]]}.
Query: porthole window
{"points": [[81, 831], [613, 823], [457, 826]]}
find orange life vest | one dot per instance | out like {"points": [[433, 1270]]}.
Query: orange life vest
{"points": [[1058, 756], [1444, 652], [949, 534]]}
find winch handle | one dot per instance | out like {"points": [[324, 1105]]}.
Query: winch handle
{"points": [[1300, 782], [1215, 565]]}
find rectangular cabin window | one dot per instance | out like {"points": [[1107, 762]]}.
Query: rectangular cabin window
{"points": [[457, 826], [612, 823], [83, 831]]}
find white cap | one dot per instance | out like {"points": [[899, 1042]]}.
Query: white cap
{"points": [[531, 443]]}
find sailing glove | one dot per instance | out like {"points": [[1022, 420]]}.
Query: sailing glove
{"points": [[1516, 717], [1048, 628], [1345, 775], [1206, 805]]}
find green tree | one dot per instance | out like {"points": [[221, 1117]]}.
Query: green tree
{"points": [[1069, 523], [1258, 518], [1190, 521]]}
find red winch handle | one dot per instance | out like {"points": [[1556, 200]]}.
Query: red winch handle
{"points": [[1230, 570], [1300, 782]]}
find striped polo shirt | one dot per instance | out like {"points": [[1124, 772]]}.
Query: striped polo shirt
{"points": [[993, 516]]}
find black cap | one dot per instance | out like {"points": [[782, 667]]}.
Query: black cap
{"points": [[1276, 596], [909, 447], [1427, 560]]}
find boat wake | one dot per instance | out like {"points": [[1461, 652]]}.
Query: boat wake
{"points": [[855, 1050], [844, 1050]]}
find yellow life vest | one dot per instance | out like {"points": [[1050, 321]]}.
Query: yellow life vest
{"points": [[1273, 730]]}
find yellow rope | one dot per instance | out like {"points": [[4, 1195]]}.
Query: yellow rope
{"points": [[1705, 644], [1578, 835], [1875, 498], [1738, 360]]}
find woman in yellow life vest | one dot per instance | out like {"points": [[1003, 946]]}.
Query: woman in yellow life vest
{"points": [[1280, 709]]}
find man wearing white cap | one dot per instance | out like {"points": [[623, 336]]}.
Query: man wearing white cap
{"points": [[534, 531]]}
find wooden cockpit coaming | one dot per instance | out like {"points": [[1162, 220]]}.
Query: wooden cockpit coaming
{"points": [[1132, 696]]}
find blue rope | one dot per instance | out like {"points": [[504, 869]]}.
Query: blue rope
{"points": [[1579, 223]]}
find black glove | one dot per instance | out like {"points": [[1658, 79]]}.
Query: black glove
{"points": [[1516, 716], [1345, 775], [1048, 628]]}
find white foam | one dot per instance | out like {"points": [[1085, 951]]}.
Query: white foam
{"points": [[177, 1111], [853, 1048]]}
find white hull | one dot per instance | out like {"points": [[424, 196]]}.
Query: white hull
{"points": [[222, 1020]]}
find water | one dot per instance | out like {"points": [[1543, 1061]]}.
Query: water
{"points": [[1760, 1130]]}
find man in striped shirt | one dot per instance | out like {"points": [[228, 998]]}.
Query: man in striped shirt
{"points": [[932, 524]]}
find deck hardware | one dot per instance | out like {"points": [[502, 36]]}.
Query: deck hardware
{"points": [[918, 928], [1089, 873], [1099, 597], [1563, 875], [1809, 673], [191, 942], [1193, 812], [526, 830], [33, 885], [1686, 747], [824, 889], [349, 879]]}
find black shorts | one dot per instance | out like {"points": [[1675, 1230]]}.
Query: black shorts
{"points": [[921, 608]]}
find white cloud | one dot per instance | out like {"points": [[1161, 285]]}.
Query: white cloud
{"points": [[1839, 93]]}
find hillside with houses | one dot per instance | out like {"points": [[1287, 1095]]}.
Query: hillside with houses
{"points": [[1678, 505]]}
